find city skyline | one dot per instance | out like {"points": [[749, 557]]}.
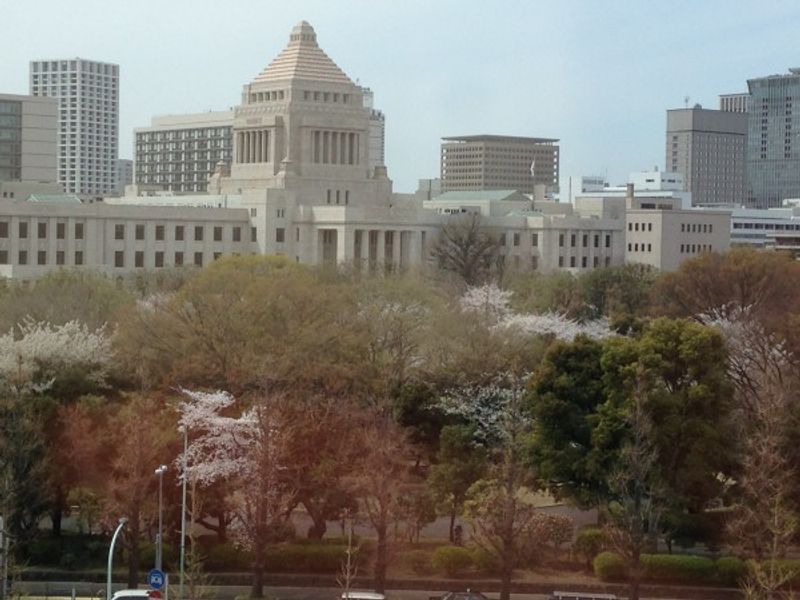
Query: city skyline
{"points": [[609, 72]]}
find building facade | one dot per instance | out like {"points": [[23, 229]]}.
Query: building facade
{"points": [[376, 150], [708, 148], [498, 162], [734, 102], [773, 146], [178, 153], [88, 121], [28, 138], [124, 174]]}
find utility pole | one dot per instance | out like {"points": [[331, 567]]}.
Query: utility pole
{"points": [[184, 430], [122, 522], [3, 560], [159, 540]]}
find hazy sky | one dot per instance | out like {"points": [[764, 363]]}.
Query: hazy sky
{"points": [[598, 74]]}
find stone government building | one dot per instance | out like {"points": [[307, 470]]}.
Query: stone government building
{"points": [[300, 184]]}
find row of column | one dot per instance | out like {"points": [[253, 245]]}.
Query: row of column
{"points": [[394, 248], [335, 147], [252, 146]]}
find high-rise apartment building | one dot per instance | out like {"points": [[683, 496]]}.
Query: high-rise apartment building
{"points": [[708, 148], [27, 138], [734, 102], [180, 152], [88, 121], [499, 162], [773, 146], [376, 143]]}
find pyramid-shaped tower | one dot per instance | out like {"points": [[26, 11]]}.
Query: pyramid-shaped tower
{"points": [[301, 116]]}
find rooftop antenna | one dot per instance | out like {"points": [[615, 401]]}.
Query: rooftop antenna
{"points": [[686, 101]]}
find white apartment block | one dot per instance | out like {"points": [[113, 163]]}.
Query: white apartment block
{"points": [[88, 121], [28, 130], [178, 153]]}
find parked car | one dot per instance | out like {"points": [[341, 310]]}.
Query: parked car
{"points": [[135, 595], [465, 595], [356, 595]]}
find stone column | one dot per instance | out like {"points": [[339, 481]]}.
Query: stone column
{"points": [[396, 248], [380, 253], [414, 248]]}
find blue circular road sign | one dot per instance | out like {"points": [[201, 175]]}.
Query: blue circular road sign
{"points": [[155, 579]]}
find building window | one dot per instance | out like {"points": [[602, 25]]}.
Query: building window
{"points": [[683, 227], [253, 212], [561, 241], [78, 231], [649, 247], [572, 261], [572, 240], [710, 228], [119, 232], [516, 239], [41, 231], [608, 240], [138, 259], [217, 234], [61, 231], [198, 259], [4, 230], [23, 257], [649, 227], [59, 257], [584, 260], [23, 231], [596, 262], [534, 262], [79, 257], [502, 239], [198, 233], [280, 233], [630, 247], [139, 232], [178, 233], [596, 241], [159, 259], [41, 257], [253, 234], [585, 240], [535, 240], [119, 259], [237, 234], [560, 261], [3, 257], [608, 261], [630, 226], [159, 233], [217, 255]]}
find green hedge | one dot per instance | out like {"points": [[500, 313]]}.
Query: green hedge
{"points": [[608, 566], [486, 562], [419, 561], [730, 570], [677, 567], [453, 561], [589, 543], [304, 557]]}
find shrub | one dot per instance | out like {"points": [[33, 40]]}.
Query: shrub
{"points": [[588, 544], [419, 562], [452, 560], [676, 567], [225, 557], [553, 529], [609, 566], [486, 562], [730, 570]]}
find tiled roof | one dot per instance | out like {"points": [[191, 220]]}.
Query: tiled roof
{"points": [[303, 59]]}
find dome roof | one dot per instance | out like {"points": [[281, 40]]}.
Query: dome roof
{"points": [[302, 58]]}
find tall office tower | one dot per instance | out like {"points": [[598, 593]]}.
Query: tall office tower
{"points": [[180, 152], [773, 147], [499, 162], [734, 102], [27, 138], [124, 174], [708, 148], [88, 121], [376, 144]]}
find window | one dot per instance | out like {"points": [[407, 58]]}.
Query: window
{"points": [[139, 232], [683, 227], [571, 261], [198, 259], [534, 262], [138, 259], [253, 234], [41, 257], [217, 234], [710, 228], [585, 240], [23, 257], [119, 231], [560, 261], [561, 241], [502, 241], [23, 231], [630, 226], [280, 234], [237, 234], [217, 255], [41, 231], [198, 233], [630, 247], [572, 240], [159, 233], [253, 212], [59, 257], [119, 259], [608, 240], [608, 261], [178, 259], [4, 230], [649, 227], [78, 231], [584, 260], [179, 233], [78, 257], [61, 231], [516, 239], [535, 240], [596, 262], [596, 241]]}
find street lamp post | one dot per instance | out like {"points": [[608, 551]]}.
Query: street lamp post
{"points": [[159, 539], [184, 430], [122, 522]]}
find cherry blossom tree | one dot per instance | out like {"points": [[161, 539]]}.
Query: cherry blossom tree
{"points": [[248, 453]]}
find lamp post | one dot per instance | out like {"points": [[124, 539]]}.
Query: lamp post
{"points": [[122, 522], [183, 430], [159, 539]]}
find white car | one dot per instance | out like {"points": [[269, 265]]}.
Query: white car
{"points": [[135, 595], [356, 595]]}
